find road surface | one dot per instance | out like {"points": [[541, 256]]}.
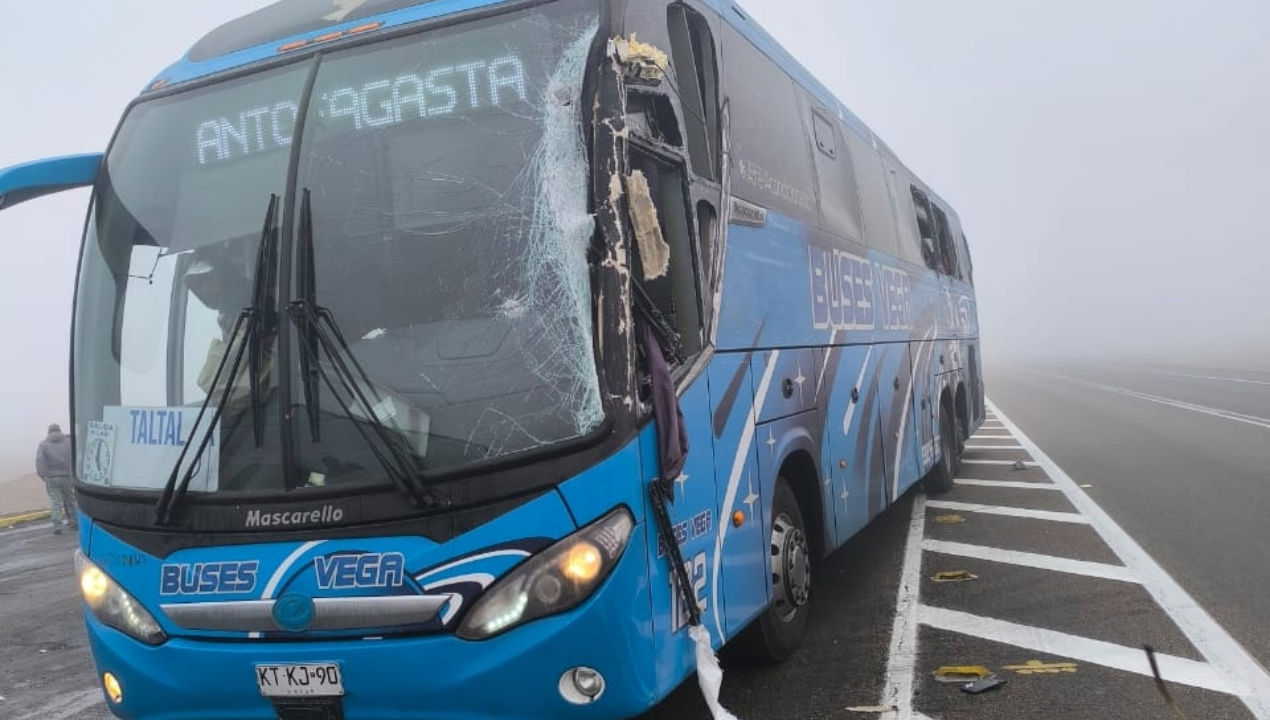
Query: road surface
{"points": [[1138, 518]]}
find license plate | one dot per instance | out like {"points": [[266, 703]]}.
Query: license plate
{"points": [[301, 680]]}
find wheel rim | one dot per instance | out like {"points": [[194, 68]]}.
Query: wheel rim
{"points": [[791, 567]]}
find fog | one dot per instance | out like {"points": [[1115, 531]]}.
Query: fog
{"points": [[1108, 161]]}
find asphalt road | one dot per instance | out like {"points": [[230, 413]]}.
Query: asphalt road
{"points": [[1139, 517]]}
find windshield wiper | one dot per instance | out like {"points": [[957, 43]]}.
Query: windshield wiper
{"points": [[309, 318], [256, 317]]}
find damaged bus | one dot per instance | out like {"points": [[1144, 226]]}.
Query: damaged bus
{"points": [[457, 358]]}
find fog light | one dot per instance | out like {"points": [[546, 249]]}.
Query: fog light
{"points": [[582, 685], [113, 690]]}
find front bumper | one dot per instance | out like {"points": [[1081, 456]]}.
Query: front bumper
{"points": [[438, 677]]}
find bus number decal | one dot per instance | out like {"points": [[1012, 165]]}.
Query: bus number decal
{"points": [[696, 568]]}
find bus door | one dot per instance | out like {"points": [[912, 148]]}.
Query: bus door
{"points": [[854, 483], [896, 404]]}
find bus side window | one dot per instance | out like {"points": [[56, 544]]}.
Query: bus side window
{"points": [[878, 215], [925, 228], [970, 265], [944, 246], [695, 62], [666, 271], [839, 198]]}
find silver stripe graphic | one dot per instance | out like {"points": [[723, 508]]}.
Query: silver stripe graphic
{"points": [[348, 613]]}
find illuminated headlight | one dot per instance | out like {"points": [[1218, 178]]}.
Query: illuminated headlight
{"points": [[113, 606], [553, 581]]}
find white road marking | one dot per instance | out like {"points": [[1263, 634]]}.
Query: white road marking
{"points": [[1035, 560], [994, 447], [66, 707], [1065, 517], [1023, 485], [901, 664], [1208, 377], [982, 434], [25, 529], [1052, 642], [1239, 669], [1026, 463], [1254, 420]]}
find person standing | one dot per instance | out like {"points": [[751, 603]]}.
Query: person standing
{"points": [[53, 465]]}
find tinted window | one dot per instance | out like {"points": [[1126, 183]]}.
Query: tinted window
{"points": [[771, 157], [839, 199], [879, 217]]}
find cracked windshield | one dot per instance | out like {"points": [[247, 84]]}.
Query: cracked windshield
{"points": [[442, 312], [634, 360]]}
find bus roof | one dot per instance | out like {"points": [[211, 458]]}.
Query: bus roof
{"points": [[296, 24]]}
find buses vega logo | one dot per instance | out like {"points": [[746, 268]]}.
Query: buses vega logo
{"points": [[346, 571], [208, 578]]}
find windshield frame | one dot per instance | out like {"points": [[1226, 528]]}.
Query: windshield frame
{"points": [[553, 462]]}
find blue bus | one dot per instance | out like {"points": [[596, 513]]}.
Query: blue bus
{"points": [[456, 358]]}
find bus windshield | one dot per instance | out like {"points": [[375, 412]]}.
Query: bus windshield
{"points": [[442, 238]]}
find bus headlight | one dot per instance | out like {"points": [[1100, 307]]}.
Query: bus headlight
{"points": [[113, 606], [553, 581]]}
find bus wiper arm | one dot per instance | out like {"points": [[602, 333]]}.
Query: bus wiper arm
{"points": [[253, 317], [309, 318], [306, 292], [670, 339]]}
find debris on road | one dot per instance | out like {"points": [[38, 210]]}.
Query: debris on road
{"points": [[953, 576], [984, 685], [873, 708], [1036, 667], [961, 673], [949, 519]]}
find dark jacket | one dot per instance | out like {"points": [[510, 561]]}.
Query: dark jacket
{"points": [[53, 459]]}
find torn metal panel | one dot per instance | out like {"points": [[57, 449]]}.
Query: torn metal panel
{"points": [[654, 252], [642, 63], [613, 276]]}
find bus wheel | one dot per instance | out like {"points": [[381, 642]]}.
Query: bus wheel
{"points": [[940, 479], [776, 634]]}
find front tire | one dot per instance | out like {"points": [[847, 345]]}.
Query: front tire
{"points": [[776, 634]]}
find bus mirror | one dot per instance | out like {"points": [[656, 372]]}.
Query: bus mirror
{"points": [[31, 180]]}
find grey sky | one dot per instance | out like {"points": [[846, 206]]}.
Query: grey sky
{"points": [[1108, 159]]}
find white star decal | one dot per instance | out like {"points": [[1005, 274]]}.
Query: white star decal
{"points": [[844, 496], [771, 439], [800, 380], [751, 498], [828, 480]]}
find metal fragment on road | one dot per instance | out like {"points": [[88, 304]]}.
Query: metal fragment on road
{"points": [[873, 708], [1020, 465], [989, 683]]}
